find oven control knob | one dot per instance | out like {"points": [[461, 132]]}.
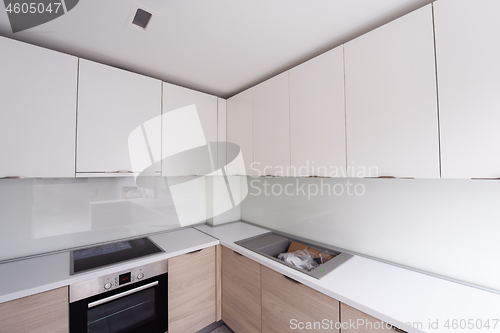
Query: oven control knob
{"points": [[107, 286], [140, 276]]}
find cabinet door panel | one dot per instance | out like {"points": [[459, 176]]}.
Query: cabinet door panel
{"points": [[391, 100], [112, 103], [241, 293], [271, 123], [191, 291], [469, 82], [284, 301], [240, 131], [181, 131], [368, 324], [317, 116], [38, 111], [47, 312]]}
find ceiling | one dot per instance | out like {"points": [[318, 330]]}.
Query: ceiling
{"points": [[216, 46]]}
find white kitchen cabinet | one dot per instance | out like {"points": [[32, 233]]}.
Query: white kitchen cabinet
{"points": [[271, 122], [240, 132], [468, 68], [113, 107], [38, 111], [317, 116], [391, 100], [189, 121], [221, 134]]}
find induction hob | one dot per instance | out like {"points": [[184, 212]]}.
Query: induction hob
{"points": [[109, 254]]}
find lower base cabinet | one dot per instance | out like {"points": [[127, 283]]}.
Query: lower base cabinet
{"points": [[192, 291], [356, 321], [289, 306], [241, 292], [47, 312]]}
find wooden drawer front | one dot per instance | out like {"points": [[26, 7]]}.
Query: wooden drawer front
{"points": [[369, 323], [46, 312], [241, 293], [191, 291], [284, 300]]}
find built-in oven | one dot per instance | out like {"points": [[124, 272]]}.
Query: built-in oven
{"points": [[129, 301]]}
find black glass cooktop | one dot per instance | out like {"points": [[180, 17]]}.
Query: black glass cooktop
{"points": [[108, 254]]}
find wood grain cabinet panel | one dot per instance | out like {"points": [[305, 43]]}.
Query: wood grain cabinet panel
{"points": [[241, 292], [191, 291], [286, 304], [367, 324], [47, 312]]}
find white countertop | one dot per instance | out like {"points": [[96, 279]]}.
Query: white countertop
{"points": [[31, 276], [392, 294]]}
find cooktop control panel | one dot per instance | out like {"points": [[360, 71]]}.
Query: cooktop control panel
{"points": [[85, 289]]}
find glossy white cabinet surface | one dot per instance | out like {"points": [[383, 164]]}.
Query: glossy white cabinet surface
{"points": [[271, 121], [240, 130], [391, 100], [112, 103], [317, 116], [468, 53], [37, 111], [189, 121], [221, 133]]}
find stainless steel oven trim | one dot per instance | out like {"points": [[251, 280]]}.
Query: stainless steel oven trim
{"points": [[95, 286], [123, 294]]}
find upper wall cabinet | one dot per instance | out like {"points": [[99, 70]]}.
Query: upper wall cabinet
{"points": [[317, 116], [391, 100], [271, 121], [119, 125], [240, 132], [38, 111], [189, 121], [468, 53]]}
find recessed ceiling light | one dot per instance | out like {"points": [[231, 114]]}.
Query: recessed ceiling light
{"points": [[141, 18]]}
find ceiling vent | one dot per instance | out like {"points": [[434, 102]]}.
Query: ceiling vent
{"points": [[141, 18]]}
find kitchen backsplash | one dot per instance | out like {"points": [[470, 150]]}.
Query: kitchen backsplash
{"points": [[44, 215], [446, 227]]}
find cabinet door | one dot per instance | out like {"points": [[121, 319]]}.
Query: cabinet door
{"points": [[317, 116], [241, 293], [38, 111], [364, 322], [112, 103], [191, 291], [189, 121], [286, 302], [240, 131], [469, 85], [271, 123], [391, 101], [47, 312]]}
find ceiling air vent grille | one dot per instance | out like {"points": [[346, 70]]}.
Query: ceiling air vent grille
{"points": [[141, 18]]}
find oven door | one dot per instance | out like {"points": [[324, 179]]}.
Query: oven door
{"points": [[140, 307]]}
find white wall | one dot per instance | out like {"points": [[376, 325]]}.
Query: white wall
{"points": [[446, 227]]}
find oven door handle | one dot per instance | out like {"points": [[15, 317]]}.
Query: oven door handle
{"points": [[123, 294]]}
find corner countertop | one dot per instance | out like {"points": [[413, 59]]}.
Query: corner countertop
{"points": [[395, 295], [35, 275]]}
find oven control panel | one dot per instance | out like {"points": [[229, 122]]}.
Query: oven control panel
{"points": [[116, 280]]}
